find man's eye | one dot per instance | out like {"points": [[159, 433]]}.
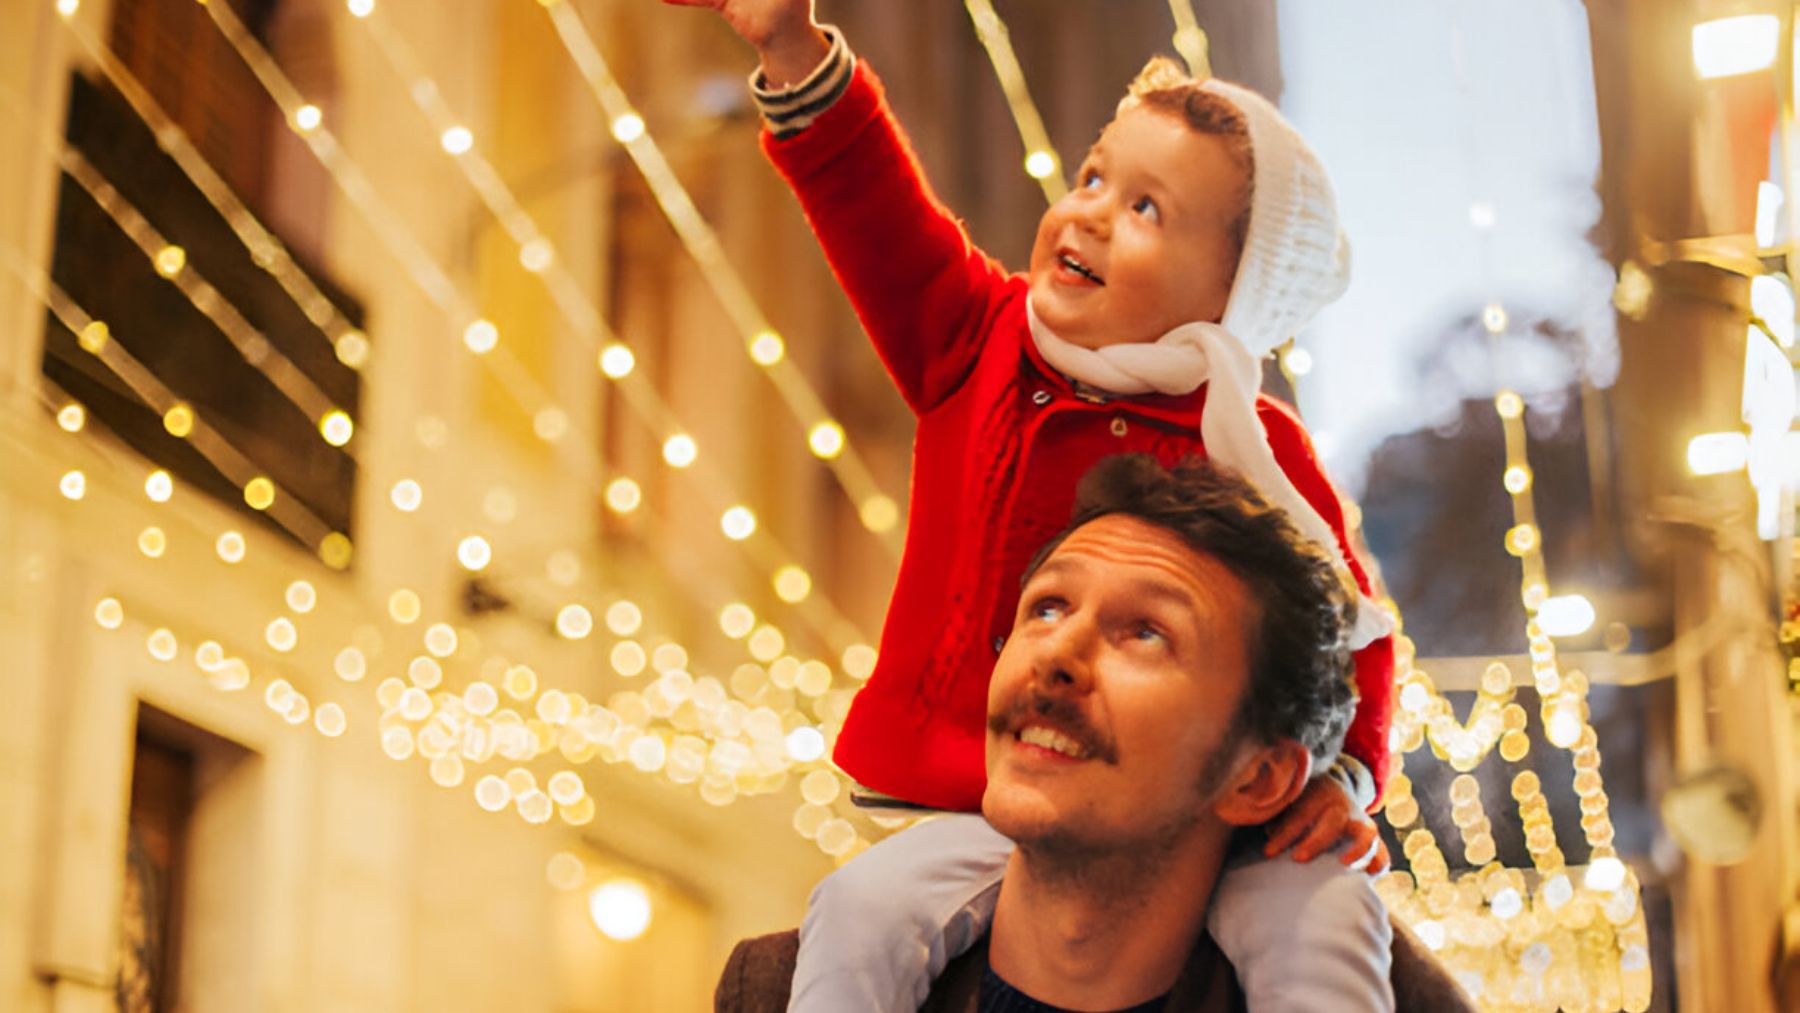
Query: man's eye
{"points": [[1147, 207], [1047, 609], [1148, 634]]}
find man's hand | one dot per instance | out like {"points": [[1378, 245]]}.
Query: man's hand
{"points": [[1323, 816], [781, 31]]}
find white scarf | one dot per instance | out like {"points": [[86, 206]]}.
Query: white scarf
{"points": [[1178, 363]]}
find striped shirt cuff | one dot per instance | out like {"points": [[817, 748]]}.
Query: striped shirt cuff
{"points": [[787, 111], [1354, 778]]}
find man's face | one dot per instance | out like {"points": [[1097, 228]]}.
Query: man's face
{"points": [[1143, 242], [1111, 706]]}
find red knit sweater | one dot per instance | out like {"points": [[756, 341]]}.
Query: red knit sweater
{"points": [[1002, 440]]}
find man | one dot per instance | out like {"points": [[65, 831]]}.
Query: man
{"points": [[1177, 670]]}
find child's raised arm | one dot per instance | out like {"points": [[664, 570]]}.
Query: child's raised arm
{"points": [[781, 31]]}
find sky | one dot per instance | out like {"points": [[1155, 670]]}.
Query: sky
{"points": [[1424, 110]]}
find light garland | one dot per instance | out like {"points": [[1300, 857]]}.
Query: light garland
{"points": [[1041, 160], [819, 612], [761, 341]]}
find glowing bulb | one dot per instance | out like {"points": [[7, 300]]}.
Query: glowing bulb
{"points": [[574, 622], [440, 640], [737, 620], [566, 787], [474, 553], [71, 418], [209, 656], [738, 523], [1521, 539], [1517, 479], [535, 806], [1718, 453], [259, 493], [623, 495], [1727, 47], [170, 260], [94, 336], [481, 337], [1509, 405], [457, 140], [230, 547], [329, 720], [1040, 164], [404, 606], [537, 255], [480, 699], [406, 495], [679, 450], [179, 420], [336, 428], [1772, 301], [624, 618], [152, 542], [335, 550], [1299, 361], [550, 424], [628, 658], [159, 486], [627, 127], [307, 118], [301, 596], [792, 584], [805, 744], [1566, 615], [826, 439], [565, 871], [1604, 875], [361, 8], [1493, 317], [766, 644], [67, 8], [281, 635], [73, 484], [352, 348], [668, 657], [350, 665], [109, 613], [492, 794], [616, 361], [620, 909], [162, 645], [859, 661], [879, 513], [767, 348]]}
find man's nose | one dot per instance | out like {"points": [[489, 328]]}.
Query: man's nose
{"points": [[1065, 661]]}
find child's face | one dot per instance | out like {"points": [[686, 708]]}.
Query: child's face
{"points": [[1143, 242]]}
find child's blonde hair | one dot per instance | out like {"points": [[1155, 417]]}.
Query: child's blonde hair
{"points": [[1163, 86]]}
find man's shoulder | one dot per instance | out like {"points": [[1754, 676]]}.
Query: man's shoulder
{"points": [[759, 974]]}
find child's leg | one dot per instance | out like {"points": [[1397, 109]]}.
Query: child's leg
{"points": [[880, 929], [1304, 935]]}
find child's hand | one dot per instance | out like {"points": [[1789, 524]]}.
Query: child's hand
{"points": [[1319, 819], [782, 32]]}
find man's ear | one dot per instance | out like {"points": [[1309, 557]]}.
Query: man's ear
{"points": [[1269, 778]]}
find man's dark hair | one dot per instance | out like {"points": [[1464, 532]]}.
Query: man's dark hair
{"points": [[1300, 684]]}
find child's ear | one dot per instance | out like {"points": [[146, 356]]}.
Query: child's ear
{"points": [[1268, 779]]}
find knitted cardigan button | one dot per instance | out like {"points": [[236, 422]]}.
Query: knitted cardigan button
{"points": [[1118, 425], [1041, 398]]}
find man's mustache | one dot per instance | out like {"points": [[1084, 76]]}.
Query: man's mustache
{"points": [[1062, 714]]}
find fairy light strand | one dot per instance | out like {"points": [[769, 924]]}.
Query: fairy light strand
{"points": [[702, 244], [826, 620], [1041, 158]]}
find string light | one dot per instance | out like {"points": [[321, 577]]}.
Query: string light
{"points": [[574, 622], [71, 418], [230, 547], [159, 486], [738, 523], [474, 553], [336, 428], [792, 584], [616, 361], [481, 336], [623, 495], [680, 450], [826, 439], [73, 484], [307, 118]]}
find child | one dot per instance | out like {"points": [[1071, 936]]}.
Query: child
{"points": [[1201, 233]]}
